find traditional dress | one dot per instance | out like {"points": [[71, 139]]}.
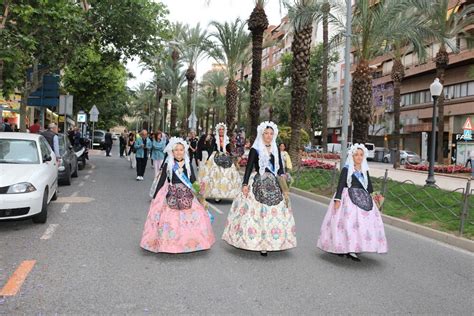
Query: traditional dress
{"points": [[356, 226], [262, 221], [219, 174], [176, 221]]}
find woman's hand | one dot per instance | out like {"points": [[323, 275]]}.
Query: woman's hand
{"points": [[337, 204], [245, 190]]}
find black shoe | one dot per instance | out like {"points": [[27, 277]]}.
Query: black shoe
{"points": [[263, 254], [356, 259]]}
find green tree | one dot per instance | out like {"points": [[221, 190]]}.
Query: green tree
{"points": [[230, 43]]}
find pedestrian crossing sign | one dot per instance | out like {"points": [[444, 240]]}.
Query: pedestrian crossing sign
{"points": [[467, 134], [468, 124]]}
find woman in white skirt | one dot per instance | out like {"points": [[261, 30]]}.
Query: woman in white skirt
{"points": [[260, 218]]}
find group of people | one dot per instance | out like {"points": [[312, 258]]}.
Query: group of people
{"points": [[261, 218]]}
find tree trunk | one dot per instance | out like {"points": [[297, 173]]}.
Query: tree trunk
{"points": [[159, 95], [361, 102], [301, 49], [174, 116], [442, 61], [231, 105], [398, 72], [165, 115], [190, 76], [207, 118], [324, 78], [258, 23], [239, 111]]}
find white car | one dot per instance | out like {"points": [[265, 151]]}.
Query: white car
{"points": [[29, 176]]}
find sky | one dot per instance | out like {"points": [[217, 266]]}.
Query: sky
{"points": [[197, 11]]}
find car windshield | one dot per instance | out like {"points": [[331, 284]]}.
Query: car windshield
{"points": [[369, 147], [411, 153], [98, 134], [18, 151]]}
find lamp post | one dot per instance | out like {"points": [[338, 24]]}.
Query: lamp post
{"points": [[347, 82], [435, 89]]}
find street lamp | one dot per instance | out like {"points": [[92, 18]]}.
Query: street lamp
{"points": [[435, 88]]}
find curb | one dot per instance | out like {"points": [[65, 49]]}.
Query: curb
{"points": [[447, 238]]}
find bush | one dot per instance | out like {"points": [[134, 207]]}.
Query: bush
{"points": [[316, 164], [440, 168], [284, 136]]}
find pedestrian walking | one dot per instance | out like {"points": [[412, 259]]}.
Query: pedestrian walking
{"points": [[6, 127], [123, 144], [132, 150], [177, 222], [143, 147], [193, 142], [201, 149], [51, 135], [108, 143], [220, 173], [260, 218], [285, 157], [158, 154], [353, 223]]}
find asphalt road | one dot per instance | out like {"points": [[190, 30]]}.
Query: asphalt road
{"points": [[91, 263]]}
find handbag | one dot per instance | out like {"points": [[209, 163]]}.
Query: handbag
{"points": [[361, 198]]}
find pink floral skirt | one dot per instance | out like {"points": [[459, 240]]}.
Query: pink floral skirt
{"points": [[351, 229], [175, 230]]}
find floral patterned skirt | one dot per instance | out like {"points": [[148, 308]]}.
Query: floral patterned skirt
{"points": [[220, 183], [172, 230], [352, 229], [253, 225]]}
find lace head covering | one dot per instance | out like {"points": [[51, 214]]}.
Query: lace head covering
{"points": [[350, 165], [170, 160], [218, 139], [263, 154]]}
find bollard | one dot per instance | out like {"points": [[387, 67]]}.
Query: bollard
{"points": [[465, 207]]}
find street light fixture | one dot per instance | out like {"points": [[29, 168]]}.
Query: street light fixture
{"points": [[436, 89]]}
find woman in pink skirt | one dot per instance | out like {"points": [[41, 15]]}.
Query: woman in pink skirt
{"points": [[176, 221], [353, 223]]}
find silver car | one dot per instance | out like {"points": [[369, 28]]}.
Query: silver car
{"points": [[405, 156]]}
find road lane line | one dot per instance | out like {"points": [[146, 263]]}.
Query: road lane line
{"points": [[75, 194], [215, 209], [87, 176], [81, 184], [65, 208], [15, 282], [49, 231]]}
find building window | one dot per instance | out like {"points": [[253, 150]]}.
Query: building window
{"points": [[470, 88]]}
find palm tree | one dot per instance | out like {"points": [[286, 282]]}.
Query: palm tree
{"points": [[302, 15], [192, 48], [231, 41], [449, 25], [411, 39], [371, 24], [257, 24]]}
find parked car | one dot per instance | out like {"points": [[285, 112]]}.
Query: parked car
{"points": [[115, 136], [370, 151], [29, 176], [405, 156], [98, 139], [68, 165], [313, 149], [334, 148]]}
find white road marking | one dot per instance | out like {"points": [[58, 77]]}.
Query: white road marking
{"points": [[87, 176], [81, 184], [89, 172], [49, 231], [75, 194], [65, 208], [215, 209]]}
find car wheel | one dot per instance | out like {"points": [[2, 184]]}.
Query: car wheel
{"points": [[74, 174], [67, 180], [43, 216], [385, 160]]}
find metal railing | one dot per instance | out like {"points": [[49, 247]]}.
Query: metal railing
{"points": [[450, 207]]}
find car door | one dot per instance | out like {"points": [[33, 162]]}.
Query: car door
{"points": [[51, 168]]}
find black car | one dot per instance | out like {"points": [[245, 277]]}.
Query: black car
{"points": [[98, 139], [68, 165]]}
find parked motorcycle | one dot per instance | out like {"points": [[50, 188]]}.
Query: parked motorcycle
{"points": [[82, 153]]}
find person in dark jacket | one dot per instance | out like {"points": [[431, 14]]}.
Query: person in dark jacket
{"points": [[108, 143]]}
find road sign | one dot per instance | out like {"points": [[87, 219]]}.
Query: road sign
{"points": [[65, 104], [94, 111], [94, 118], [468, 125], [81, 117], [47, 95], [467, 134]]}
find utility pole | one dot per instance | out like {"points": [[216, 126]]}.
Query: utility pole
{"points": [[347, 82]]}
